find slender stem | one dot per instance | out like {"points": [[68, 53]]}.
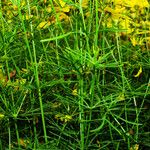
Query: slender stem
{"points": [[37, 77], [81, 113], [81, 101], [17, 134], [9, 133], [96, 22]]}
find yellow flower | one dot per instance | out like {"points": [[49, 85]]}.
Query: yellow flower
{"points": [[75, 92], [133, 41], [121, 97], [64, 7], [67, 118], [135, 147], [62, 3], [140, 3], [63, 16], [63, 118], [138, 73], [23, 142], [125, 24], [2, 77], [1, 116], [49, 9], [43, 24], [84, 3], [116, 2]]}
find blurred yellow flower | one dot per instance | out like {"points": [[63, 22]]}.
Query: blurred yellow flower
{"points": [[23, 142], [140, 3], [133, 41], [2, 77], [135, 147], [138, 73], [63, 118], [121, 97], [75, 92], [67, 118], [43, 24], [1, 116], [62, 3], [85, 3]]}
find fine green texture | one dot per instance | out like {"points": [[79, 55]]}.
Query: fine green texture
{"points": [[74, 75]]}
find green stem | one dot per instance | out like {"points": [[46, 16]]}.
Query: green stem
{"points": [[37, 78], [81, 101], [17, 134], [81, 113]]}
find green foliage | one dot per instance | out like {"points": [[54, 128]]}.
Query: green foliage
{"points": [[74, 74]]}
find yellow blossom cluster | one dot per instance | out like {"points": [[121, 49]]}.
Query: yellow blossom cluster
{"points": [[130, 16]]}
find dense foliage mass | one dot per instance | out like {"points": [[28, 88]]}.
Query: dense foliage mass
{"points": [[74, 74]]}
